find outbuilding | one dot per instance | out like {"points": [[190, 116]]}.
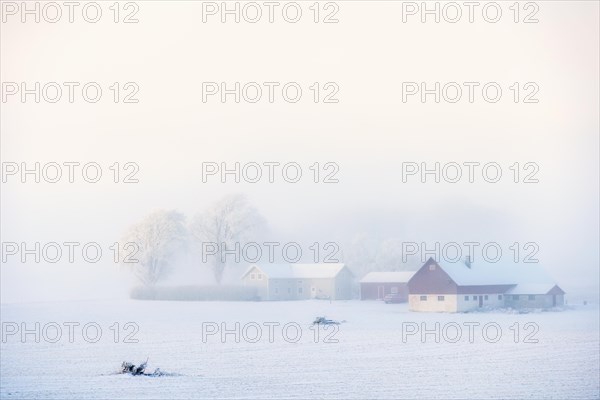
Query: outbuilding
{"points": [[300, 281], [543, 295], [375, 285]]}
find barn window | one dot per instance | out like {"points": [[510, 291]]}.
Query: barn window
{"points": [[394, 289], [432, 267], [485, 297], [423, 298], [312, 289], [299, 290], [259, 276], [252, 276], [276, 291], [475, 298], [499, 297], [516, 297], [466, 298], [440, 298], [531, 297]]}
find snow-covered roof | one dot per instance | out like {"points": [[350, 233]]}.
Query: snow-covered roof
{"points": [[482, 273], [387, 277], [298, 271], [323, 270], [531, 288], [272, 270]]}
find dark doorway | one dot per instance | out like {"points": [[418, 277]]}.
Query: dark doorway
{"points": [[553, 300], [480, 301]]}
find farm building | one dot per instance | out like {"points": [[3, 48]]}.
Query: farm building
{"points": [[375, 285], [544, 295], [300, 281], [459, 287]]}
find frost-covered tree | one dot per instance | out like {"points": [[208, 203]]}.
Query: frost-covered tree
{"points": [[229, 221], [157, 240], [389, 256], [360, 254]]}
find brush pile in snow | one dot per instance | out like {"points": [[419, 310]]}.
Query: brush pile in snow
{"points": [[325, 321], [130, 368]]}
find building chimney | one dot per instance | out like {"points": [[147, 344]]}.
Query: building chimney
{"points": [[468, 262]]}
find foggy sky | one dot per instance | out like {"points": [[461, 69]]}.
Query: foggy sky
{"points": [[369, 133]]}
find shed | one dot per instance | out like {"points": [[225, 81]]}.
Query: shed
{"points": [[375, 285]]}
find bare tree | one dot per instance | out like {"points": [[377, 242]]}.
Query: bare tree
{"points": [[150, 246], [231, 220]]}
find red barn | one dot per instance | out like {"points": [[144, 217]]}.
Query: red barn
{"points": [[375, 285], [459, 287]]}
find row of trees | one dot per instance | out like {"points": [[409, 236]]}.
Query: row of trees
{"points": [[164, 235], [365, 254]]}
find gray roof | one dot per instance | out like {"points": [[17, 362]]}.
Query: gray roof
{"points": [[298, 271], [531, 288], [525, 276], [388, 277]]}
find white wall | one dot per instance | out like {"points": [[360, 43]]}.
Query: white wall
{"points": [[471, 304], [432, 304]]}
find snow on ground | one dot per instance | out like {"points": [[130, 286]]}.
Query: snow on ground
{"points": [[370, 360]]}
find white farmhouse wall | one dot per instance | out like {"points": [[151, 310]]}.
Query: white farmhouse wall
{"points": [[538, 301], [261, 285], [495, 300], [432, 304]]}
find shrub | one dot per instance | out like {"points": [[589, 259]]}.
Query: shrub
{"points": [[195, 293]]}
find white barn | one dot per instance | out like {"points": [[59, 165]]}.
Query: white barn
{"points": [[300, 281]]}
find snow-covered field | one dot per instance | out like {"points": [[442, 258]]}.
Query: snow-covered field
{"points": [[370, 359]]}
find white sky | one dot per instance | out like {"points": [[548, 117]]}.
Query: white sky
{"points": [[369, 133]]}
